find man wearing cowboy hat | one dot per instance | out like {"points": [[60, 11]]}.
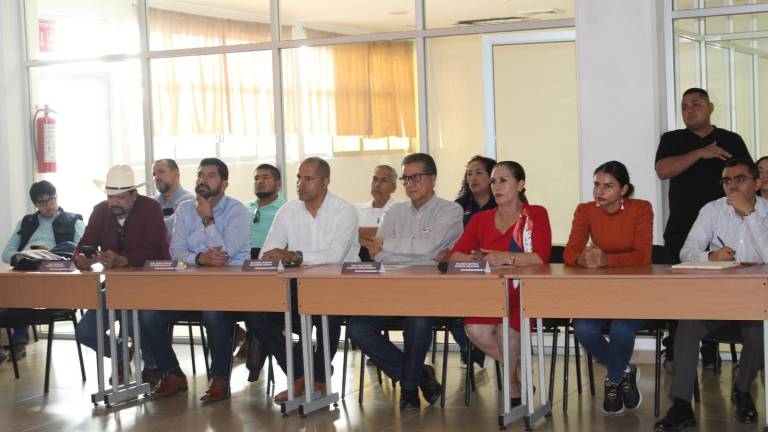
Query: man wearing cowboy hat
{"points": [[126, 229]]}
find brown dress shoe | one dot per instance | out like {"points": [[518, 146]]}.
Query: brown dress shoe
{"points": [[170, 385], [298, 390], [151, 376], [218, 391]]}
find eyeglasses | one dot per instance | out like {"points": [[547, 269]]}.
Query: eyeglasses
{"points": [[739, 179], [45, 201], [257, 216], [120, 239], [416, 178]]}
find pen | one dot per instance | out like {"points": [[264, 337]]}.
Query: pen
{"points": [[720, 240]]}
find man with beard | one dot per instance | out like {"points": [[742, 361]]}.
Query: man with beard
{"points": [[128, 229], [165, 173], [211, 231], [266, 185]]}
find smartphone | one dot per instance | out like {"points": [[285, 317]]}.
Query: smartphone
{"points": [[89, 251]]}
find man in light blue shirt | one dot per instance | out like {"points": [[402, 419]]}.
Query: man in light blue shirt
{"points": [[50, 228], [266, 187], [165, 173], [212, 230]]}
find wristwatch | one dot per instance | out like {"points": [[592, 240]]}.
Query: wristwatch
{"points": [[207, 220], [297, 262]]}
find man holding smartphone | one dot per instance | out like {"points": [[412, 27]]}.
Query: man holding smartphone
{"points": [[213, 230], [125, 230]]}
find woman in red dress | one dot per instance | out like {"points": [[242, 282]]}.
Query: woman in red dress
{"points": [[514, 233]]}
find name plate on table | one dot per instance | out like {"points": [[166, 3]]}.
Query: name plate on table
{"points": [[161, 265], [263, 266], [56, 266], [462, 267], [361, 267]]}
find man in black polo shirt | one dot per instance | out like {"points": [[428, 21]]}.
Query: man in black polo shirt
{"points": [[693, 159]]}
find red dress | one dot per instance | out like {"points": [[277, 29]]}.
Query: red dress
{"points": [[481, 232]]}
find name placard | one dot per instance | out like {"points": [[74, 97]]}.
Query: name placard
{"points": [[463, 267], [361, 267], [263, 266], [56, 266], [161, 265]]}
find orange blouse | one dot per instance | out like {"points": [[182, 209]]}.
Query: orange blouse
{"points": [[626, 236]]}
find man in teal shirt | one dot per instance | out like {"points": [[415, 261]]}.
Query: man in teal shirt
{"points": [[266, 185]]}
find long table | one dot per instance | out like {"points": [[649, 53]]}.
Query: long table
{"points": [[198, 289], [401, 291], [60, 290], [637, 292]]}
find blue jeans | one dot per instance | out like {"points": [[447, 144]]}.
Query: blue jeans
{"points": [[219, 326], [269, 327], [20, 335], [404, 366], [86, 334], [615, 352], [156, 331]]}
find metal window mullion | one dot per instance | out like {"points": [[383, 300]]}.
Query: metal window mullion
{"points": [[421, 75], [146, 89], [703, 11], [672, 71], [755, 91], [732, 77], [277, 92]]}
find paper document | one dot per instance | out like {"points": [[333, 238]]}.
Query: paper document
{"points": [[706, 265]]}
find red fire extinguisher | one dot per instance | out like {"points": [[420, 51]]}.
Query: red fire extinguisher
{"points": [[45, 140]]}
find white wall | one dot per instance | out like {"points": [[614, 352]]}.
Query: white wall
{"points": [[621, 88], [15, 155]]}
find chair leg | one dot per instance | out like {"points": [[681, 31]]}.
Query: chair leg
{"points": [[270, 377], [497, 365], [34, 333], [48, 356], [734, 357], [204, 341], [696, 394], [577, 356], [13, 354], [468, 375], [445, 368], [434, 344], [191, 348], [344, 367], [717, 368], [657, 371], [591, 371], [566, 357], [362, 377], [553, 363], [79, 349]]}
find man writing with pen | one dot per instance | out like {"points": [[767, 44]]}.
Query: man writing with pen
{"points": [[732, 228]]}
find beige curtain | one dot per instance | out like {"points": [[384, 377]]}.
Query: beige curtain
{"points": [[362, 90], [375, 89]]}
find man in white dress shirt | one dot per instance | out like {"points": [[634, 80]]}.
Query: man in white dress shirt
{"points": [[318, 228], [732, 228], [411, 233]]}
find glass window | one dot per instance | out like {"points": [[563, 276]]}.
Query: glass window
{"points": [[57, 29], [353, 105], [215, 106], [696, 4], [455, 13], [327, 18], [97, 109], [206, 23]]}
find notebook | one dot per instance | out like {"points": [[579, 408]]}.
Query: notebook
{"points": [[706, 265]]}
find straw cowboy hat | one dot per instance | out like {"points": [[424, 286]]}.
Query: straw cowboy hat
{"points": [[119, 179]]}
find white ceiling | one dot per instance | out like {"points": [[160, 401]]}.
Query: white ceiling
{"points": [[360, 16]]}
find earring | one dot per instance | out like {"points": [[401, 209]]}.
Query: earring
{"points": [[622, 204]]}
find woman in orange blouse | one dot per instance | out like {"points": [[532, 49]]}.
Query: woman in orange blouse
{"points": [[611, 231]]}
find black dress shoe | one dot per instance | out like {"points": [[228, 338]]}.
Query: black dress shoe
{"points": [[430, 388], [679, 417], [409, 400], [745, 407]]}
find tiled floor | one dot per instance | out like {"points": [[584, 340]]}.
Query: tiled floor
{"points": [[23, 407]]}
